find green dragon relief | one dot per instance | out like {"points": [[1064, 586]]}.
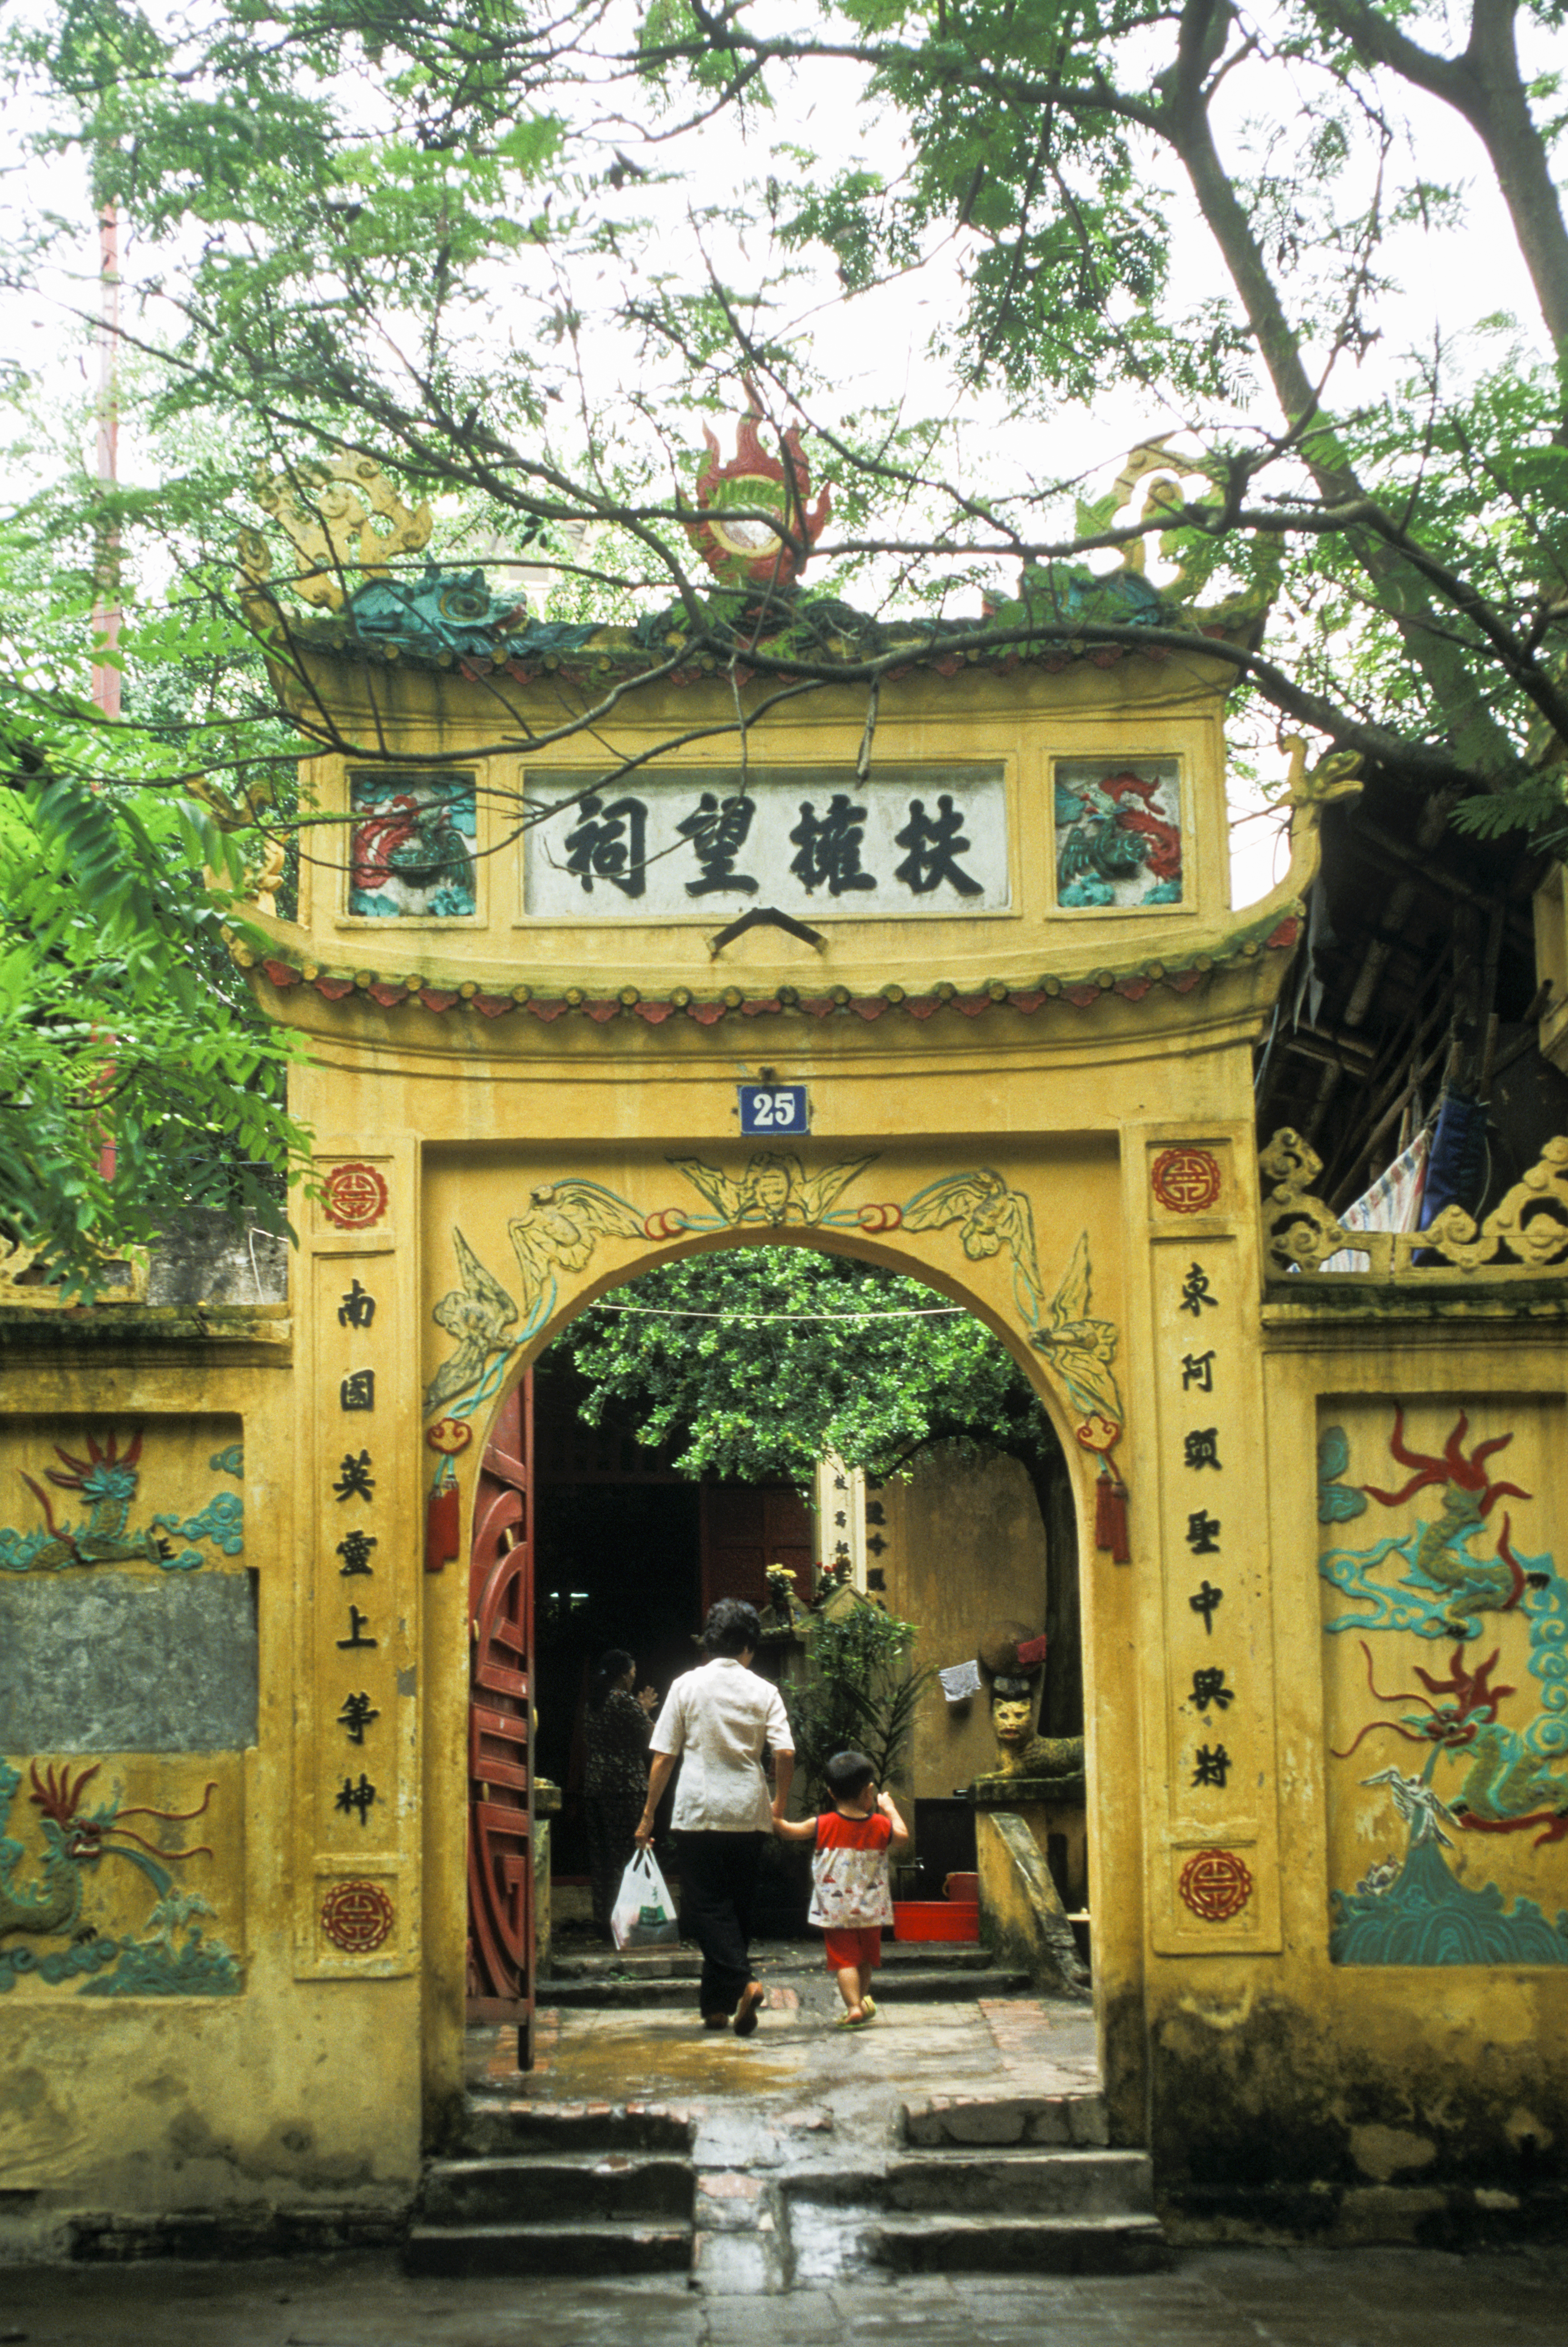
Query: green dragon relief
{"points": [[173, 1959], [108, 1478]]}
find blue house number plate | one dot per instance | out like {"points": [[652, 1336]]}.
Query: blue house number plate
{"points": [[773, 1108]]}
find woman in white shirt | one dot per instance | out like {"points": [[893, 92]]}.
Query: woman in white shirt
{"points": [[716, 1721]]}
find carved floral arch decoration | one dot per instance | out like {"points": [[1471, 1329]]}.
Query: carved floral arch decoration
{"points": [[565, 1223]]}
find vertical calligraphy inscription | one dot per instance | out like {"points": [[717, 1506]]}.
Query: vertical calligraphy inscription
{"points": [[1217, 1653], [356, 1904]]}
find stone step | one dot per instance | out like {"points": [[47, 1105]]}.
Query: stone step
{"points": [[947, 1982], [495, 2124], [1022, 2183], [771, 1962], [999, 2183], [971, 2121], [590, 2249], [993, 2245], [896, 1984], [656, 1963], [534, 2190]]}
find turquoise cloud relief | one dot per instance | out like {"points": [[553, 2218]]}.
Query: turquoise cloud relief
{"points": [[1338, 1501], [221, 1521]]}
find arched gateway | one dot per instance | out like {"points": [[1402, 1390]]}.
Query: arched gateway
{"points": [[955, 990], [950, 984]]}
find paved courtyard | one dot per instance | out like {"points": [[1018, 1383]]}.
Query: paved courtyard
{"points": [[1235, 2298], [800, 2077], [799, 2057]]}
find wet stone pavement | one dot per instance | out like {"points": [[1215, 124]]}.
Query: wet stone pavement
{"points": [[1235, 2298], [790, 2123], [789, 2104]]}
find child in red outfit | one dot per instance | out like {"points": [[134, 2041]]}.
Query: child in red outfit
{"points": [[850, 1896]]}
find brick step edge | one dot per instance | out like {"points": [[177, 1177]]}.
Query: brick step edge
{"points": [[653, 1995], [229, 2234], [1025, 2180], [1062, 2245], [648, 2188], [598, 2247], [1075, 2118], [501, 2126]]}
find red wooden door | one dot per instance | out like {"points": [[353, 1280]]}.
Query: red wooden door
{"points": [[746, 1527], [501, 1729]]}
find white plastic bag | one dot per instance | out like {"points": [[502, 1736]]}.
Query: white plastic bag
{"points": [[643, 1915]]}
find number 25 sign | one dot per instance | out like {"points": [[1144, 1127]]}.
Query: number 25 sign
{"points": [[773, 1108]]}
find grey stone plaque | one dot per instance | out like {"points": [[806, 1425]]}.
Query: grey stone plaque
{"points": [[110, 1662]]}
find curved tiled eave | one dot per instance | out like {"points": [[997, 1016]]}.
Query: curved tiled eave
{"points": [[285, 967]]}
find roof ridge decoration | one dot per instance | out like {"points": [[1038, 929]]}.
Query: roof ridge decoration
{"points": [[349, 525], [740, 548], [333, 514]]}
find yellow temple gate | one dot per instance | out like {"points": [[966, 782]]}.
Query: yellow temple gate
{"points": [[263, 1569]]}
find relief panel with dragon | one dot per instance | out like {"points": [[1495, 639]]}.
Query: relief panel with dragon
{"points": [[127, 1695], [1446, 1675]]}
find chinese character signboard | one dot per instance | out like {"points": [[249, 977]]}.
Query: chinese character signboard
{"points": [[805, 840]]}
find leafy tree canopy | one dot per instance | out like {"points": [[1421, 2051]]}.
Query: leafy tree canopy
{"points": [[122, 1023], [518, 254], [766, 1359], [451, 235], [123, 1020]]}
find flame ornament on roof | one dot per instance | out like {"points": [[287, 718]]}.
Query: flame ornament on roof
{"points": [[741, 547]]}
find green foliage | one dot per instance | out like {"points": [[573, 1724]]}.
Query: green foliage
{"points": [[790, 1354], [451, 233], [122, 1019], [859, 1693]]}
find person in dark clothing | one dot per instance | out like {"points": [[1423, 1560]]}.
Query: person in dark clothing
{"points": [[616, 1780], [716, 1723]]}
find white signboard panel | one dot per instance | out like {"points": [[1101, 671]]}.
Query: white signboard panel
{"points": [[810, 841]]}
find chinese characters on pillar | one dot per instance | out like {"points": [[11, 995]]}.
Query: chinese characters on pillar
{"points": [[1210, 1764], [1217, 1644], [351, 1484], [905, 841], [356, 1887]]}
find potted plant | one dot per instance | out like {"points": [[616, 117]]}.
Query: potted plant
{"points": [[858, 1691]]}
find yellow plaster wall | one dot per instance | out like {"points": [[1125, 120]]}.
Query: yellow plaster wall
{"points": [[142, 2109], [965, 1547], [1026, 722], [1407, 2102], [1269, 2081]]}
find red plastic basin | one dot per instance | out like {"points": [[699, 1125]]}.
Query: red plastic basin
{"points": [[936, 1919]]}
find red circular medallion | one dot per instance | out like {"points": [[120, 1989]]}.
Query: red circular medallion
{"points": [[356, 1916], [355, 1196], [1186, 1180], [1216, 1884], [449, 1436]]}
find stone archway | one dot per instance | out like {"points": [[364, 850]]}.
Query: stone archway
{"points": [[576, 1237]]}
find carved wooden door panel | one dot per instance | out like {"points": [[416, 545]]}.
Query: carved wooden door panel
{"points": [[501, 1729]]}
